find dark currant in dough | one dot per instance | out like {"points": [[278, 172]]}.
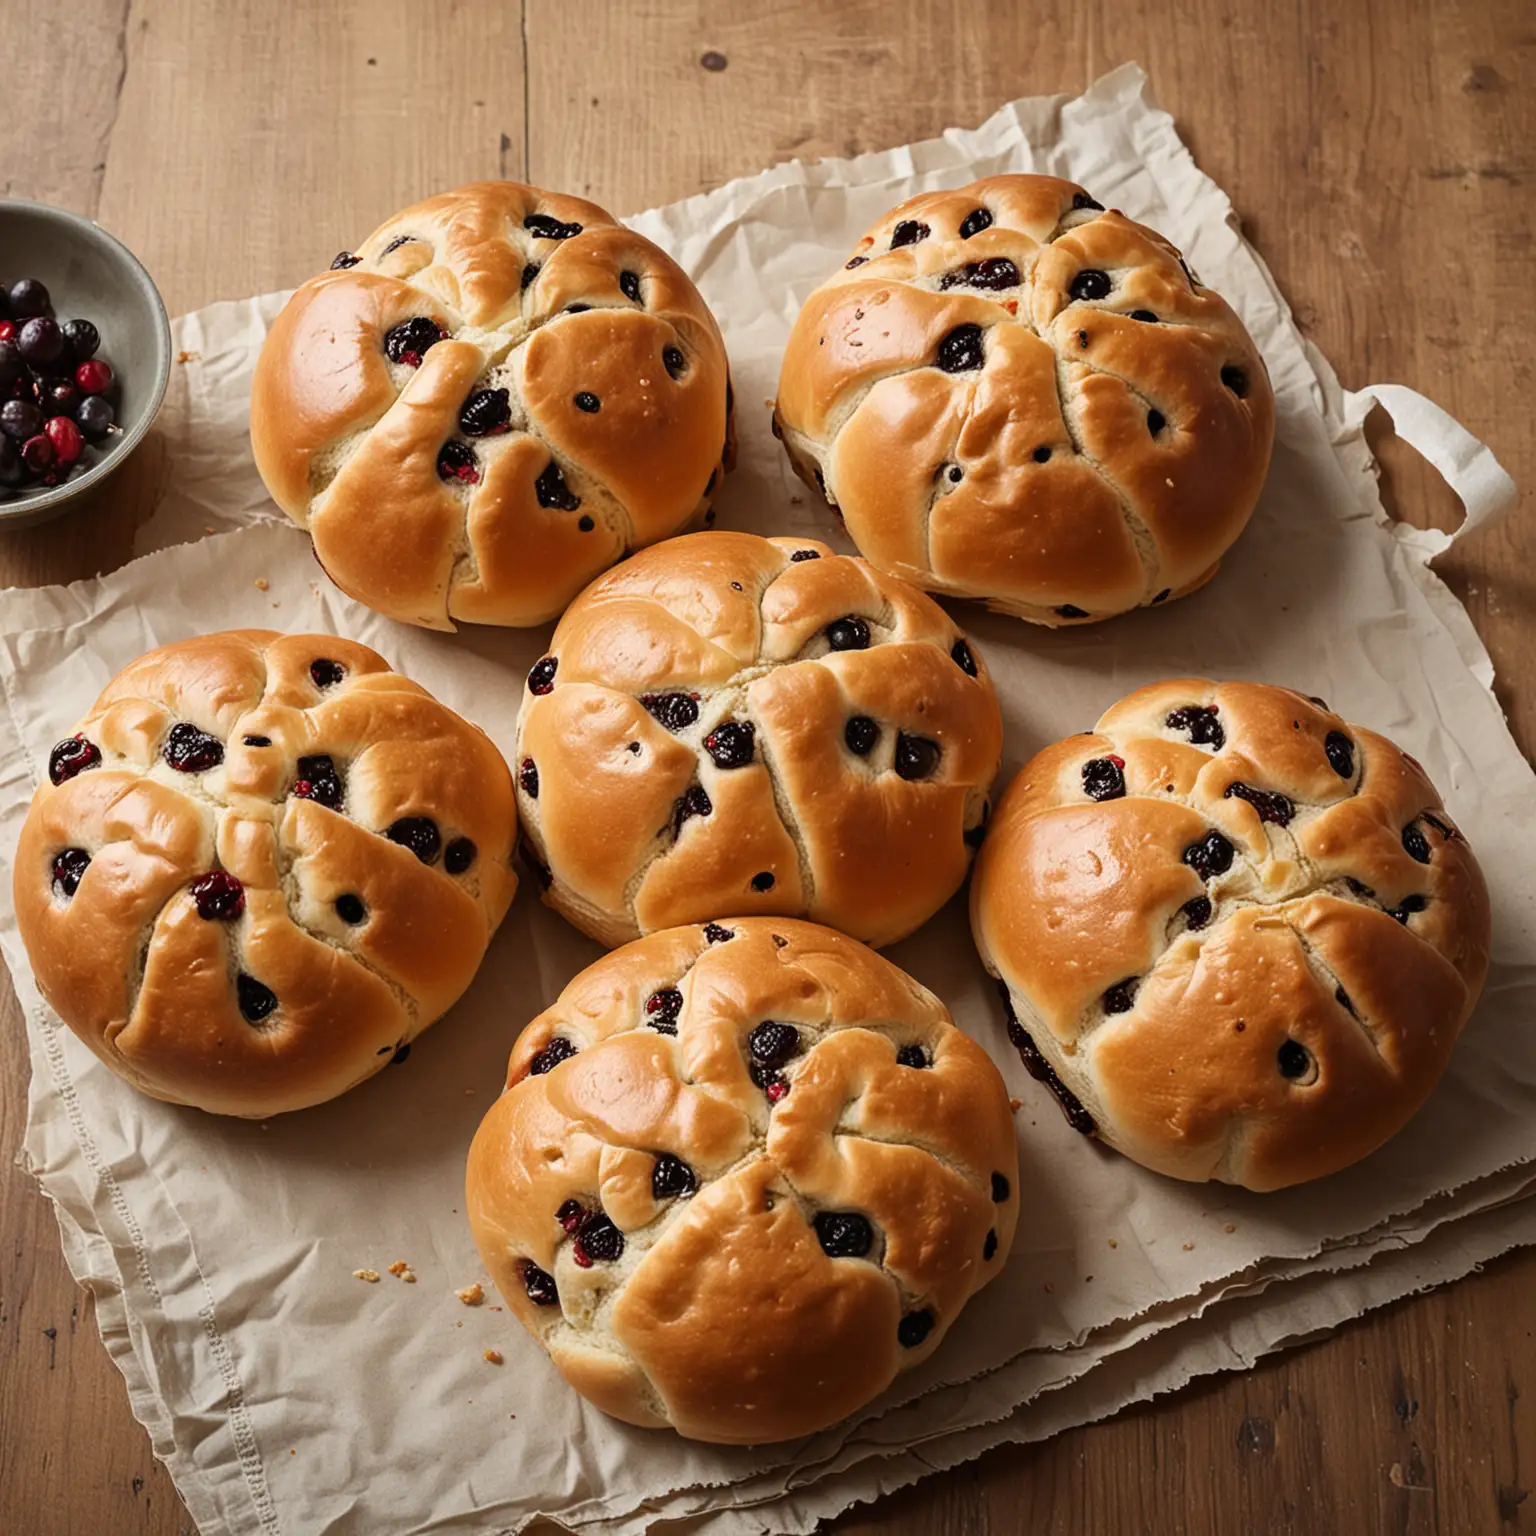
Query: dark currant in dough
{"points": [[559, 1049], [916, 756], [69, 867], [411, 340], [189, 750], [1121, 997], [914, 1328], [1104, 778], [1211, 856], [553, 492], [1200, 723], [1271, 805], [319, 781], [1415, 844], [849, 633], [964, 658], [256, 1000], [844, 1234], [539, 1285], [1341, 754], [961, 350], [541, 676], [218, 896], [543, 227], [1293, 1059], [861, 735], [676, 711], [773, 1044], [419, 834], [325, 673], [911, 1056], [662, 1008], [1090, 285], [487, 413], [459, 855], [974, 222], [731, 744], [672, 1177], [71, 756]]}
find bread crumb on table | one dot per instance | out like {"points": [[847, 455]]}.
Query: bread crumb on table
{"points": [[403, 1271], [1229, 1226], [493, 1356], [471, 1295], [1189, 1247], [189, 357], [261, 584], [370, 1275]]}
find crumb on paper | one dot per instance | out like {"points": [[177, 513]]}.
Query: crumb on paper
{"points": [[403, 1271], [460, 1323], [261, 584], [189, 357], [1114, 1242], [292, 1451], [471, 1295], [1050, 1290], [1015, 1105], [1229, 1226], [493, 1356], [209, 528], [498, 1309], [370, 1275], [1189, 1247]]}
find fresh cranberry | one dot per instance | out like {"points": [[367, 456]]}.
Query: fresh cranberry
{"points": [[37, 454], [94, 376], [66, 439], [8, 331], [219, 896], [73, 755]]}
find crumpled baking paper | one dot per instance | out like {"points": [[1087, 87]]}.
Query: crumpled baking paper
{"points": [[221, 1253]]}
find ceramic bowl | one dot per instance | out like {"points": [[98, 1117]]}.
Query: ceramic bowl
{"points": [[89, 275]]}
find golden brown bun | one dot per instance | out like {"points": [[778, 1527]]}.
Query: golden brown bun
{"points": [[338, 944], [1243, 939], [1006, 439], [651, 1098], [617, 422], [639, 825]]}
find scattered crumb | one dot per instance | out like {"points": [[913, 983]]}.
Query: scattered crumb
{"points": [[261, 584], [189, 357], [493, 1356], [1228, 1226], [1089, 1280], [460, 1323], [1114, 1242], [399, 1267], [1049, 1288], [471, 1295], [1015, 1105], [497, 1309], [1189, 1247], [370, 1275], [291, 1451]]}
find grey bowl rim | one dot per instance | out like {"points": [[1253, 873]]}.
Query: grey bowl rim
{"points": [[28, 506]]}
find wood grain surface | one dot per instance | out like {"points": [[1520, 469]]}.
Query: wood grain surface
{"points": [[1380, 156]]}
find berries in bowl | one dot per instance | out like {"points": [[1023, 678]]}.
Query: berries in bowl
{"points": [[84, 358]]}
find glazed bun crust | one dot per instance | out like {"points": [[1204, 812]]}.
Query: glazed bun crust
{"points": [[1249, 959], [612, 431], [684, 749], [324, 942], [644, 1099], [1013, 395]]}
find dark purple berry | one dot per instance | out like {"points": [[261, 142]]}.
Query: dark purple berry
{"points": [[350, 909], [908, 232], [60, 397], [1104, 778], [1120, 997], [676, 711], [219, 897], [552, 490], [731, 743], [587, 401], [914, 1328], [1144, 315], [539, 1285], [861, 735], [487, 413], [662, 1008], [1156, 421], [13, 473], [694, 801], [530, 272], [961, 350], [964, 658], [995, 274], [542, 227], [396, 243], [1236, 380], [37, 453], [81, 338], [189, 750], [1000, 1188], [20, 420], [40, 341], [459, 855], [419, 834], [1197, 911], [1341, 754], [1090, 284], [559, 1049], [763, 882], [1070, 611], [1409, 905], [256, 1001], [28, 298], [71, 756], [629, 286], [344, 259], [599, 1240], [974, 222], [1415, 844], [95, 416], [541, 677], [804, 554], [1211, 856], [457, 461], [911, 1056], [844, 1234], [325, 673], [69, 867], [1271, 805], [672, 1178], [528, 777], [773, 1044], [1293, 1059], [849, 633], [409, 342], [1082, 200], [1200, 721], [716, 933], [916, 756], [319, 781], [674, 362]]}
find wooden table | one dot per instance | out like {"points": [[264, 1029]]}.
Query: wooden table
{"points": [[1381, 158]]}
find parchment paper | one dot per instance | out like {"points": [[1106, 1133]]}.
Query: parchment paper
{"points": [[289, 1397]]}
